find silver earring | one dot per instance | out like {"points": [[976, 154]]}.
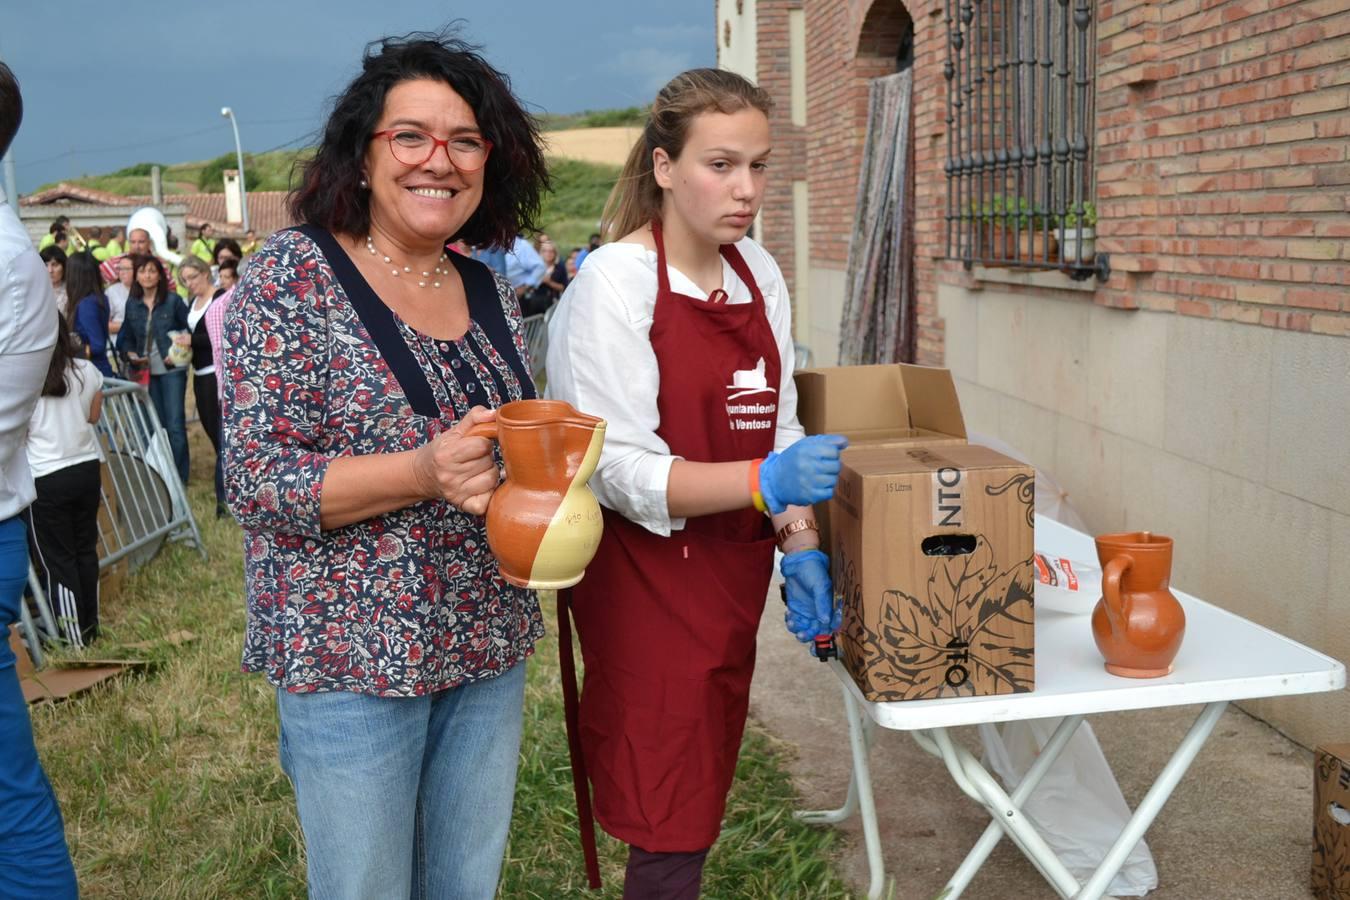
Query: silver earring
{"points": [[365, 185]]}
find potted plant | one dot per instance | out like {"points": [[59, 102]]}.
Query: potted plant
{"points": [[1036, 235], [1080, 235], [1003, 217]]}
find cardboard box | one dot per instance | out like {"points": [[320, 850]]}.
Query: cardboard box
{"points": [[1331, 823], [878, 406], [917, 624]]}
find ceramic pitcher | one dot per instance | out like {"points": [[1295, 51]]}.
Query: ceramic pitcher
{"points": [[1138, 624], [543, 523]]}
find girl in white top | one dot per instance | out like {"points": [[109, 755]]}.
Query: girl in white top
{"points": [[64, 454], [678, 334]]}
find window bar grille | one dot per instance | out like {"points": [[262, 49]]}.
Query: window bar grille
{"points": [[1020, 108]]}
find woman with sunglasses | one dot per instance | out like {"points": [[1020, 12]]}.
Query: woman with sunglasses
{"points": [[358, 353]]}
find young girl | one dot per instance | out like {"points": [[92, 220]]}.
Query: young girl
{"points": [[64, 455], [678, 333]]}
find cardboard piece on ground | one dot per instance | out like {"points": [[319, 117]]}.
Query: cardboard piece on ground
{"points": [[173, 639], [1331, 822], [934, 560], [878, 406], [58, 683]]}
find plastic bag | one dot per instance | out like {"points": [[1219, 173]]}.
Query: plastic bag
{"points": [[180, 354], [1077, 807]]}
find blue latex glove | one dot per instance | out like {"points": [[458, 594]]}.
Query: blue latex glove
{"points": [[810, 596], [802, 474]]}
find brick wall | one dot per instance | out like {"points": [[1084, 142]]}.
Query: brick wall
{"points": [[1221, 159], [849, 43], [1222, 166], [789, 148]]}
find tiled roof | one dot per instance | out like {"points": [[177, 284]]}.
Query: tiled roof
{"points": [[74, 192], [266, 209]]}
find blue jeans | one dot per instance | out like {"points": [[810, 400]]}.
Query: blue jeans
{"points": [[168, 393], [34, 861], [404, 797]]}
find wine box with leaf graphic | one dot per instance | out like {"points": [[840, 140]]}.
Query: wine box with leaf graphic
{"points": [[1331, 822], [933, 556], [876, 407]]}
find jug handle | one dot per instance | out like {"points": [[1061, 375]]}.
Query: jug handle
{"points": [[1111, 575], [484, 430]]}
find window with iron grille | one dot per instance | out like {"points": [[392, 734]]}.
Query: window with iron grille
{"points": [[1020, 131]]}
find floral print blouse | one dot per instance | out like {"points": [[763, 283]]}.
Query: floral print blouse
{"points": [[317, 367]]}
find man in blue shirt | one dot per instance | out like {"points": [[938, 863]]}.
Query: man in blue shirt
{"points": [[525, 267], [592, 245], [492, 257]]}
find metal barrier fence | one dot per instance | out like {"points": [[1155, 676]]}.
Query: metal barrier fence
{"points": [[143, 502]]}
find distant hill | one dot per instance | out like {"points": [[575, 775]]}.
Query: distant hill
{"points": [[570, 213]]}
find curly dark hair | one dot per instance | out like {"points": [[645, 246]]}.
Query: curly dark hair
{"points": [[514, 179]]}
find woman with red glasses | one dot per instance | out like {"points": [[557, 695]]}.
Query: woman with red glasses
{"points": [[678, 332], [357, 354]]}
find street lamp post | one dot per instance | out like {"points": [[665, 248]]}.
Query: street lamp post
{"points": [[239, 156]]}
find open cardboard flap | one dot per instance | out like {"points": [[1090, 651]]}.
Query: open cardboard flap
{"points": [[70, 677]]}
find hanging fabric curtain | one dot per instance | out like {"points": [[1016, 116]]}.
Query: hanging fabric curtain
{"points": [[878, 319]]}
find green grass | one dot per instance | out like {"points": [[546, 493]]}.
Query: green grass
{"points": [[571, 213], [170, 785]]}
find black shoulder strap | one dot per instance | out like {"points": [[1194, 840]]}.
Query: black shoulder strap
{"points": [[378, 320]]}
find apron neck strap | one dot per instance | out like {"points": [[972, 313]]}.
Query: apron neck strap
{"points": [[727, 252]]}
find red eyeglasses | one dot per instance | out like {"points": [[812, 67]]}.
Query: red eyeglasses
{"points": [[468, 152]]}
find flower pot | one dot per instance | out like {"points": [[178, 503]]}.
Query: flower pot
{"points": [[1080, 246], [1036, 246]]}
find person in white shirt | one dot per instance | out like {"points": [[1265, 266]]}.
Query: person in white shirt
{"points": [[64, 454], [679, 335], [34, 859], [117, 293]]}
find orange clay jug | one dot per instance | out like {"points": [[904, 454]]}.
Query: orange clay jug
{"points": [[543, 522], [1138, 624]]}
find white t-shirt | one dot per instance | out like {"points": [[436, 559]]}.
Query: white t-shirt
{"points": [[600, 359], [117, 293], [59, 434]]}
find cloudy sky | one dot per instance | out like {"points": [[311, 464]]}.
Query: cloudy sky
{"points": [[105, 88]]}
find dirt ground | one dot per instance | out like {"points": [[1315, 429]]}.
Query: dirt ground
{"points": [[597, 145]]}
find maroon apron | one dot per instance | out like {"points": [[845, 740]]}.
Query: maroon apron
{"points": [[668, 624]]}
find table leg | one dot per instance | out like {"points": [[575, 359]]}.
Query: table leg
{"points": [[971, 778], [845, 812], [859, 795], [1153, 801], [961, 879]]}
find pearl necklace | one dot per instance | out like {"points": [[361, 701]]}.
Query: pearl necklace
{"points": [[438, 271]]}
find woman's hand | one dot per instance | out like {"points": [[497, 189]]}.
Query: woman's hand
{"points": [[459, 468]]}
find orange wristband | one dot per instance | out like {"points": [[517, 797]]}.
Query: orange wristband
{"points": [[755, 496]]}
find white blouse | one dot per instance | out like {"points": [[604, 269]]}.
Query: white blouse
{"points": [[600, 359]]}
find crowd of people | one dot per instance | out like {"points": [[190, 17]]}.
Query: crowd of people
{"points": [[341, 376]]}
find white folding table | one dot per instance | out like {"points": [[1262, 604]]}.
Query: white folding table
{"points": [[1224, 657]]}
